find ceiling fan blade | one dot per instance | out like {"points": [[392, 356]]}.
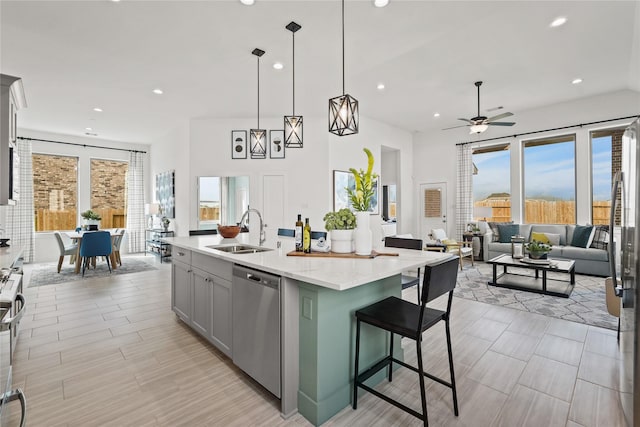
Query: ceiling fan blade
{"points": [[501, 123], [454, 127], [467, 120], [500, 116]]}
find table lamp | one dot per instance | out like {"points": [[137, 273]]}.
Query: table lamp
{"points": [[151, 209]]}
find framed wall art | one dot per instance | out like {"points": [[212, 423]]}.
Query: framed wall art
{"points": [[238, 144], [165, 193], [343, 180], [276, 144]]}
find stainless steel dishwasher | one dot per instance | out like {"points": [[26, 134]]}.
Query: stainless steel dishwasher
{"points": [[256, 325]]}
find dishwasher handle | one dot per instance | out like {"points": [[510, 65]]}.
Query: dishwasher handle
{"points": [[254, 277]]}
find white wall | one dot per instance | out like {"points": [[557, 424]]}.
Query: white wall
{"points": [[171, 152], [435, 153], [308, 171], [46, 248]]}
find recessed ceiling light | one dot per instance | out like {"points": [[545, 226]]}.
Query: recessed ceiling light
{"points": [[88, 128], [436, 114], [380, 86], [380, 3], [559, 21], [576, 81], [247, 2], [98, 110], [278, 66], [116, 1], [158, 91]]}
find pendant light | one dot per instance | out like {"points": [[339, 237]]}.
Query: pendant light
{"points": [[293, 123], [343, 110], [258, 137]]}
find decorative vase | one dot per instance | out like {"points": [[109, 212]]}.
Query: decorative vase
{"points": [[538, 255], [342, 241], [363, 235]]}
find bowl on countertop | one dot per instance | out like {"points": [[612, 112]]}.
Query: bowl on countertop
{"points": [[228, 231]]}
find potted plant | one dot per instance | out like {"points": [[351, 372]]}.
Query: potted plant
{"points": [[538, 250], [360, 198], [165, 223], [340, 225], [91, 219]]}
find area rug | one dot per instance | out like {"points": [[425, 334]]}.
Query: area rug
{"points": [[46, 273], [586, 304]]}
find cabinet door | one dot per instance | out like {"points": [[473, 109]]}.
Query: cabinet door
{"points": [[201, 314], [181, 290], [221, 333]]}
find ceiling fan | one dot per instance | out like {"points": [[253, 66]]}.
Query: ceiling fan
{"points": [[480, 123]]}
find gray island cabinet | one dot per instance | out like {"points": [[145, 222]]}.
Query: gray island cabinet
{"points": [[201, 296], [318, 298]]}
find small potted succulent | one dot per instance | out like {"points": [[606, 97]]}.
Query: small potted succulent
{"points": [[340, 225], [91, 219]]}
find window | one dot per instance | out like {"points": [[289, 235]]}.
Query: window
{"points": [[55, 192], [108, 191], [606, 146], [550, 180], [491, 183], [209, 202]]}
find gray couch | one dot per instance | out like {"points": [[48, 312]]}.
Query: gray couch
{"points": [[588, 260]]}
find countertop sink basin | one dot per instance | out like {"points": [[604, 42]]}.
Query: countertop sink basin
{"points": [[239, 249]]}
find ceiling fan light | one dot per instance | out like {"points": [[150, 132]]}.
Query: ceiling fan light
{"points": [[293, 131], [479, 128]]}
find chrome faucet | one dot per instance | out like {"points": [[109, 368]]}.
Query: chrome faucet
{"points": [[245, 216]]}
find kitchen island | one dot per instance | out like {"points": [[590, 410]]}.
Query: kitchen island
{"points": [[318, 298]]}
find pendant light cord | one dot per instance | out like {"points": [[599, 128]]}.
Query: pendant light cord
{"points": [[293, 34], [343, 47], [258, 92]]}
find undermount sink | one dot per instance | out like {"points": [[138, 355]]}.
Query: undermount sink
{"points": [[239, 249]]}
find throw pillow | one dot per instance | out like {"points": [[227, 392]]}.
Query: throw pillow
{"points": [[581, 236], [494, 228], [540, 237], [506, 231], [554, 239], [600, 237]]}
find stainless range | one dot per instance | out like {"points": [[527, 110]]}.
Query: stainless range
{"points": [[12, 306]]}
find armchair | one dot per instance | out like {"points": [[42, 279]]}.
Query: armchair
{"points": [[462, 249]]}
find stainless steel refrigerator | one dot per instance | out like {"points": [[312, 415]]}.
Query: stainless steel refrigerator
{"points": [[626, 270]]}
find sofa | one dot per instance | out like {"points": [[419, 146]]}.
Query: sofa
{"points": [[593, 259]]}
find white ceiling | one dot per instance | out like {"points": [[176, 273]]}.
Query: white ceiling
{"points": [[74, 56]]}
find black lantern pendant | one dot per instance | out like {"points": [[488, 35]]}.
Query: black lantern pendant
{"points": [[258, 137], [343, 110], [293, 123]]}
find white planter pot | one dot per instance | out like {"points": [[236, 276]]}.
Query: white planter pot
{"points": [[363, 235], [87, 222], [342, 241]]}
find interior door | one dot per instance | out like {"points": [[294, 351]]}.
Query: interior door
{"points": [[433, 209]]}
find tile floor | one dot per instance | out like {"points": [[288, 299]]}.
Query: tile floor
{"points": [[109, 352]]}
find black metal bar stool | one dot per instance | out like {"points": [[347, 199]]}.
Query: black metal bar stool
{"points": [[410, 320], [401, 242]]}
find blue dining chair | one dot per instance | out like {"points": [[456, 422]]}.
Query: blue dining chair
{"points": [[95, 244]]}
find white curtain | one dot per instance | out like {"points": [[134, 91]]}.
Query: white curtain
{"points": [[464, 188], [20, 222], [135, 202]]}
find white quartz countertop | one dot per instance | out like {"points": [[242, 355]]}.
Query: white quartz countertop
{"points": [[9, 255], [334, 273]]}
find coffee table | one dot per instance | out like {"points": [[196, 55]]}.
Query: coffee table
{"points": [[524, 282]]}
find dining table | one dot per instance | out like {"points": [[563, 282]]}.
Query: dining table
{"points": [[76, 236]]}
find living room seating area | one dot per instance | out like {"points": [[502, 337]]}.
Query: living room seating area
{"points": [[586, 245]]}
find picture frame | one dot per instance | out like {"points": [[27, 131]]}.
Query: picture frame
{"points": [[166, 193], [238, 144], [276, 144], [343, 180]]}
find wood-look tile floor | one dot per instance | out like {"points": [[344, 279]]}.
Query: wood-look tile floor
{"points": [[110, 352]]}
